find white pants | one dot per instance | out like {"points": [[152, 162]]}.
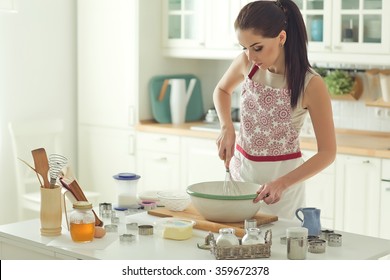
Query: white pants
{"points": [[262, 172]]}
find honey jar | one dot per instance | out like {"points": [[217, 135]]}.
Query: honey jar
{"points": [[82, 222]]}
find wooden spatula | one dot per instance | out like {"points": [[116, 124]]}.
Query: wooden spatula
{"points": [[41, 164]]}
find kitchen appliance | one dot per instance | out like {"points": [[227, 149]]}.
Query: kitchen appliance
{"points": [[161, 105]]}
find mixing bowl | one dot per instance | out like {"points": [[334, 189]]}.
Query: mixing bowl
{"points": [[208, 199], [174, 200]]}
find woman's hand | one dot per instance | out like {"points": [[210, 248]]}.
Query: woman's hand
{"points": [[225, 144], [270, 192]]}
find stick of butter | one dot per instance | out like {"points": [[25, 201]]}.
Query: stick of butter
{"points": [[177, 229]]}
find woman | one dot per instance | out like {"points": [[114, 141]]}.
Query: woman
{"points": [[278, 89]]}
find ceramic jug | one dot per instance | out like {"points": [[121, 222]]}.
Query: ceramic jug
{"points": [[179, 98], [311, 219]]}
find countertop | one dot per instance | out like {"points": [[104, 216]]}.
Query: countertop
{"points": [[26, 235], [353, 142]]}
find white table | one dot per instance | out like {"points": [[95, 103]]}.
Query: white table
{"points": [[23, 241]]}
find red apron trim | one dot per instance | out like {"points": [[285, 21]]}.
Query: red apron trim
{"points": [[253, 71], [268, 158]]}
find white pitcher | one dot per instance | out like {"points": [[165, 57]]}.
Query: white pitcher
{"points": [[179, 99]]}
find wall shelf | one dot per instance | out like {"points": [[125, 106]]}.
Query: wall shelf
{"points": [[378, 103]]}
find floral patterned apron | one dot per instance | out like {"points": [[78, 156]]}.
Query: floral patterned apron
{"points": [[267, 145]]}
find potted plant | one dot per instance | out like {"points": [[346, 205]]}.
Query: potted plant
{"points": [[341, 83]]}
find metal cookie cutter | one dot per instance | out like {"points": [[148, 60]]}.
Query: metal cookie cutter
{"points": [[145, 230], [335, 240], [126, 237], [317, 246], [325, 233], [132, 226], [111, 228]]}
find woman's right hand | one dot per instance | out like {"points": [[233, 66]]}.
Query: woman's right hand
{"points": [[225, 143]]}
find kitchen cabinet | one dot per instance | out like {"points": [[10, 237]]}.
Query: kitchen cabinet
{"points": [[338, 30], [158, 162], [200, 29], [320, 192], [200, 161], [107, 82], [384, 230], [357, 194]]}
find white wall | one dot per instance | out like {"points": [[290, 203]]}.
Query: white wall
{"points": [[37, 78]]}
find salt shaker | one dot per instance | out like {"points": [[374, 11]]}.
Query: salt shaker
{"points": [[297, 243], [252, 236], [227, 237]]}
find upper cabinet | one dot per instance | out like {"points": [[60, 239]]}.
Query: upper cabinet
{"points": [[341, 30], [200, 28]]}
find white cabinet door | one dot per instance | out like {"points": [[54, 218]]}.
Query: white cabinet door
{"points": [[320, 192], [104, 152], [200, 161], [107, 62], [158, 162], [385, 200], [158, 171], [358, 194]]}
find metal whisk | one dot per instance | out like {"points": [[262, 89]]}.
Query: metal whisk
{"points": [[56, 163], [230, 186]]}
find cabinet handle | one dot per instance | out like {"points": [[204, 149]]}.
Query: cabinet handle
{"points": [[366, 161], [386, 180], [162, 159], [337, 47]]}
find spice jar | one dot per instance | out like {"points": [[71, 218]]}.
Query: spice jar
{"points": [[297, 243], [227, 237], [82, 222], [252, 236]]}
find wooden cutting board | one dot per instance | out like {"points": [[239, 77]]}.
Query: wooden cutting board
{"points": [[201, 223]]}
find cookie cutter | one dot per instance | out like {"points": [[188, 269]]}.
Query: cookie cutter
{"points": [[111, 228], [335, 240], [317, 246], [145, 230], [325, 234], [126, 237], [132, 226]]}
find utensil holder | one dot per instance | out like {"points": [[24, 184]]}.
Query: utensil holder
{"points": [[51, 211]]}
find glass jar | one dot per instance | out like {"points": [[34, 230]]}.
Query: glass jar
{"points": [[227, 237], [82, 222], [252, 236]]}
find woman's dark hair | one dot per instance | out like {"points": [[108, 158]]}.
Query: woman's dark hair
{"points": [[268, 19]]}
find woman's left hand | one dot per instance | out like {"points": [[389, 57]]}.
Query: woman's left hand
{"points": [[270, 193]]}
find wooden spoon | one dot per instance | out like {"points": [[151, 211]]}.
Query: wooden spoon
{"points": [[74, 188], [41, 164]]}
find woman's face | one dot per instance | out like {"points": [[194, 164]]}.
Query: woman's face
{"points": [[264, 52]]}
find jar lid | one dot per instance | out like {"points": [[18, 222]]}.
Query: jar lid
{"points": [[227, 231], [297, 232], [126, 176], [82, 205]]}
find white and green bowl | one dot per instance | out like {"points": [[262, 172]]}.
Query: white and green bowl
{"points": [[213, 205]]}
